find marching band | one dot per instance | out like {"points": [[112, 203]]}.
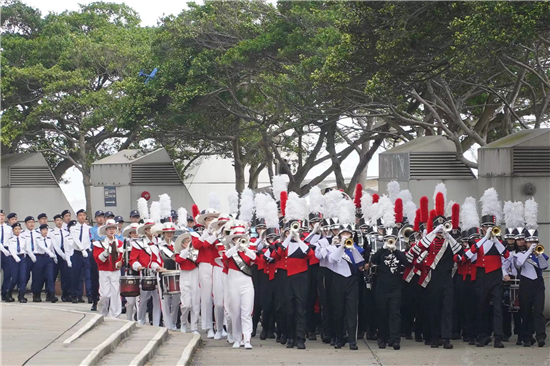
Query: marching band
{"points": [[345, 268]]}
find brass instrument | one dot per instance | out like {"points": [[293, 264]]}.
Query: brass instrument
{"points": [[243, 243], [539, 249], [405, 233], [496, 231], [348, 243], [448, 226], [295, 226], [390, 241]]}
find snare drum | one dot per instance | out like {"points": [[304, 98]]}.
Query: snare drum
{"points": [[148, 283], [514, 296], [170, 282], [129, 286]]}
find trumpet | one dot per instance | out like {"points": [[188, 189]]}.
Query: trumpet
{"points": [[405, 233], [539, 249], [348, 243], [390, 241], [496, 231], [448, 226], [243, 243], [295, 226]]}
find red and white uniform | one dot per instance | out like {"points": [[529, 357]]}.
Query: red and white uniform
{"points": [[109, 277], [170, 303], [189, 286]]}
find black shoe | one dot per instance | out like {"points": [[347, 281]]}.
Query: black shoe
{"points": [[283, 339], [440, 342], [455, 336], [301, 345], [74, 300], [123, 311], [53, 298], [11, 299], [390, 344], [290, 344], [360, 335], [270, 334], [90, 300], [81, 300], [312, 337], [371, 336], [338, 345], [498, 343], [527, 343], [487, 340], [94, 306], [408, 336], [435, 344], [541, 342], [448, 344], [333, 342], [4, 298], [353, 346], [472, 342], [253, 334], [22, 299], [419, 339], [278, 338], [519, 342], [326, 339], [263, 335], [396, 346], [533, 341], [381, 344], [36, 298]]}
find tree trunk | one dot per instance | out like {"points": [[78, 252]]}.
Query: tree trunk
{"points": [[238, 166], [331, 149], [253, 174], [87, 180]]}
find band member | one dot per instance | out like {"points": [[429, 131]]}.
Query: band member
{"points": [[531, 262], [240, 288], [42, 271], [170, 303], [108, 256], [19, 250], [267, 284], [130, 234], [189, 282], [99, 218], [5, 234], [145, 258], [257, 270], [80, 233]]}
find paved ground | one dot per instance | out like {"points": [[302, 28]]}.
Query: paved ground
{"points": [[412, 353]]}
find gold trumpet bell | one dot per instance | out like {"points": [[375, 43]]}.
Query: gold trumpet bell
{"points": [[496, 231], [348, 243], [539, 249]]}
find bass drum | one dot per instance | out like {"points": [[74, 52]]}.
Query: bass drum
{"points": [[129, 286]]}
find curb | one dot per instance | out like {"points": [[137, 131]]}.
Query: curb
{"points": [[147, 353], [96, 320], [109, 344], [189, 350]]}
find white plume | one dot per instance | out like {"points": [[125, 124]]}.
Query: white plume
{"points": [[279, 185], [271, 212], [165, 205], [331, 201], [449, 208], [366, 206], [373, 214], [508, 217], [531, 214], [468, 214], [182, 217], [393, 190], [259, 202], [409, 210], [490, 204], [405, 196], [143, 209], [155, 212], [214, 201], [315, 200], [346, 212], [518, 213], [386, 211], [247, 205], [233, 199], [296, 207], [441, 187]]}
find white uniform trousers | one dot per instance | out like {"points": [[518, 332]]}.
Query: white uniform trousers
{"points": [[205, 282], [241, 304], [170, 309], [218, 279], [144, 296], [190, 298], [131, 308], [228, 320], [110, 303]]}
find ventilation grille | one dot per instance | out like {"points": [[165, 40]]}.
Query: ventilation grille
{"points": [[27, 176], [155, 174], [438, 166], [532, 161]]}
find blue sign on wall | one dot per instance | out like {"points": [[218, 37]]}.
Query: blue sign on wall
{"points": [[110, 196]]}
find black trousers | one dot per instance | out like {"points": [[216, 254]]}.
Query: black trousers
{"points": [[281, 280], [94, 277], [257, 310], [346, 299], [488, 287], [411, 308], [312, 296], [370, 309], [267, 289], [323, 298], [466, 302], [531, 302], [457, 321], [328, 314], [388, 306], [440, 293], [296, 302], [362, 308]]}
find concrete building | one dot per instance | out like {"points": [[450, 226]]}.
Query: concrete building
{"points": [[29, 187], [518, 166], [422, 163], [119, 180]]}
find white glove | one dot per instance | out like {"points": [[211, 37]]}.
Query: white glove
{"points": [[439, 229], [54, 259], [6, 253], [205, 235], [17, 259], [231, 251], [85, 253], [69, 263], [488, 234]]}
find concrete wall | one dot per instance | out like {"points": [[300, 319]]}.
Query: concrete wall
{"points": [[31, 201]]}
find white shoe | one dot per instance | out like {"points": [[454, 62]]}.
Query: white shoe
{"points": [[242, 343], [210, 334], [183, 329], [247, 345], [196, 332], [224, 333], [230, 339], [236, 345], [218, 335]]}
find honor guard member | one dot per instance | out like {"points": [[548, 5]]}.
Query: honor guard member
{"points": [[63, 241], [170, 303], [100, 218], [130, 234], [80, 233], [66, 217], [531, 263], [109, 215], [134, 216], [5, 234], [43, 220], [42, 271], [186, 258], [145, 258], [108, 255], [19, 250], [347, 259], [120, 223], [30, 237]]}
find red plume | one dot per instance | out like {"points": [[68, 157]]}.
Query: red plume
{"points": [[455, 215], [398, 210], [358, 195], [284, 197], [416, 226], [424, 209], [195, 211], [433, 214], [375, 198], [440, 204]]}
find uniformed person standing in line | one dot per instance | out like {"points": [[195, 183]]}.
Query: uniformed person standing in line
{"points": [[64, 244], [43, 268], [19, 251], [29, 235], [5, 234], [80, 233]]}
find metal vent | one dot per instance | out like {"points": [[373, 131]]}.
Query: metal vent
{"points": [[31, 176], [155, 174], [531, 161], [438, 166]]}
